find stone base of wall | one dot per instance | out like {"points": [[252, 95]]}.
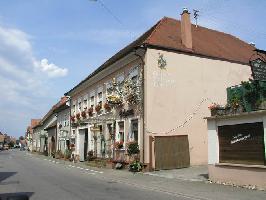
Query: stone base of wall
{"points": [[241, 175]]}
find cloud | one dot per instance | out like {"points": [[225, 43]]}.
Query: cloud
{"points": [[25, 81], [16, 51], [51, 69]]}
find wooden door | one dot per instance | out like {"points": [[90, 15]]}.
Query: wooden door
{"points": [[171, 152]]}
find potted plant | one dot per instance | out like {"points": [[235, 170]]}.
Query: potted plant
{"points": [[83, 114], [214, 109], [135, 166], [132, 148]]}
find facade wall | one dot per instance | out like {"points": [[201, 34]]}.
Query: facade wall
{"points": [[119, 70], [63, 129], [239, 174], [187, 85]]}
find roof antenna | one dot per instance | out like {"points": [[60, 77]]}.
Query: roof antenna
{"points": [[196, 15]]}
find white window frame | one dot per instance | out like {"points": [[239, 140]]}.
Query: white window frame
{"points": [[85, 105]]}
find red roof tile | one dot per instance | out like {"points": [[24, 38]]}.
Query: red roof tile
{"points": [[166, 34], [205, 42]]}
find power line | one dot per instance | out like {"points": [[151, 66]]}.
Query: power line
{"points": [[109, 11]]}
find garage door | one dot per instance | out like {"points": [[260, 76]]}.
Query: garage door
{"points": [[171, 152]]}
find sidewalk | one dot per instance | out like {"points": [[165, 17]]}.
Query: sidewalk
{"points": [[175, 184], [194, 173]]}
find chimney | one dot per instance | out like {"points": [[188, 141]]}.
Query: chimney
{"points": [[186, 35]]}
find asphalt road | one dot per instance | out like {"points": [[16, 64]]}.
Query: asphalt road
{"points": [[40, 179]]}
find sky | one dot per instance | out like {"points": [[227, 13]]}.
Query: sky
{"points": [[48, 46]]}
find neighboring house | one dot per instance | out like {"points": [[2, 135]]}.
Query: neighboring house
{"points": [[63, 125], [41, 138], [45, 132], [36, 141], [2, 139], [159, 88], [29, 133]]}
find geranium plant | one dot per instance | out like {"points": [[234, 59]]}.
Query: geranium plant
{"points": [[90, 111], [98, 108], [78, 116], [72, 118], [214, 106], [107, 106], [83, 114], [119, 144]]}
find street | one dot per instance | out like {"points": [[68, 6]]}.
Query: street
{"points": [[39, 178]]}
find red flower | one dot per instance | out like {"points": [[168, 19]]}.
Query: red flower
{"points": [[98, 107], [107, 106], [78, 115], [83, 114], [72, 118]]}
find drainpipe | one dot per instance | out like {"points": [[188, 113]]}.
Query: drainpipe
{"points": [[143, 64]]}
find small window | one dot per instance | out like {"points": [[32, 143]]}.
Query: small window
{"points": [[100, 96], [109, 88], [121, 131], [85, 104], [92, 101], [134, 129]]}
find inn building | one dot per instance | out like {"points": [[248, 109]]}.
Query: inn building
{"points": [[156, 91]]}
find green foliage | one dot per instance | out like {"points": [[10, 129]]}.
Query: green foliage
{"points": [[11, 144], [132, 148], [67, 154], [90, 156], [136, 166]]}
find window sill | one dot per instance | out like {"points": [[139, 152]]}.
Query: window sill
{"points": [[241, 165]]}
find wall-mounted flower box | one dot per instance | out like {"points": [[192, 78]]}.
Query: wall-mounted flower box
{"points": [[78, 116], [107, 106], [90, 111], [72, 118], [98, 108], [83, 114]]}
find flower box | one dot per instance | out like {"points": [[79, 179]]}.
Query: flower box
{"points": [[83, 114], [98, 108]]}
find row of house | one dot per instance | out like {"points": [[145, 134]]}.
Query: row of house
{"points": [[6, 139], [155, 91], [51, 133]]}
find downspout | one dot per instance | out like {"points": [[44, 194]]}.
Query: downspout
{"points": [[143, 114]]}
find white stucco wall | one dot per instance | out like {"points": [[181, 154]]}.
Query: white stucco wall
{"points": [[173, 94]]}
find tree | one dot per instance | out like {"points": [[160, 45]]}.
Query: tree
{"points": [[21, 138], [11, 144]]}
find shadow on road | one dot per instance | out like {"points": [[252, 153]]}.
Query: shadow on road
{"points": [[16, 196], [5, 175]]}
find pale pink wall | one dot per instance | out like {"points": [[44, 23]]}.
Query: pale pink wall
{"points": [[238, 175], [174, 93]]}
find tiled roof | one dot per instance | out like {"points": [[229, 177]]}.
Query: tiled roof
{"points": [[51, 111], [205, 42], [166, 34]]}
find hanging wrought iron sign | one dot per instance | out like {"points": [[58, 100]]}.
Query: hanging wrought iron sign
{"points": [[258, 65], [126, 113], [161, 61]]}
